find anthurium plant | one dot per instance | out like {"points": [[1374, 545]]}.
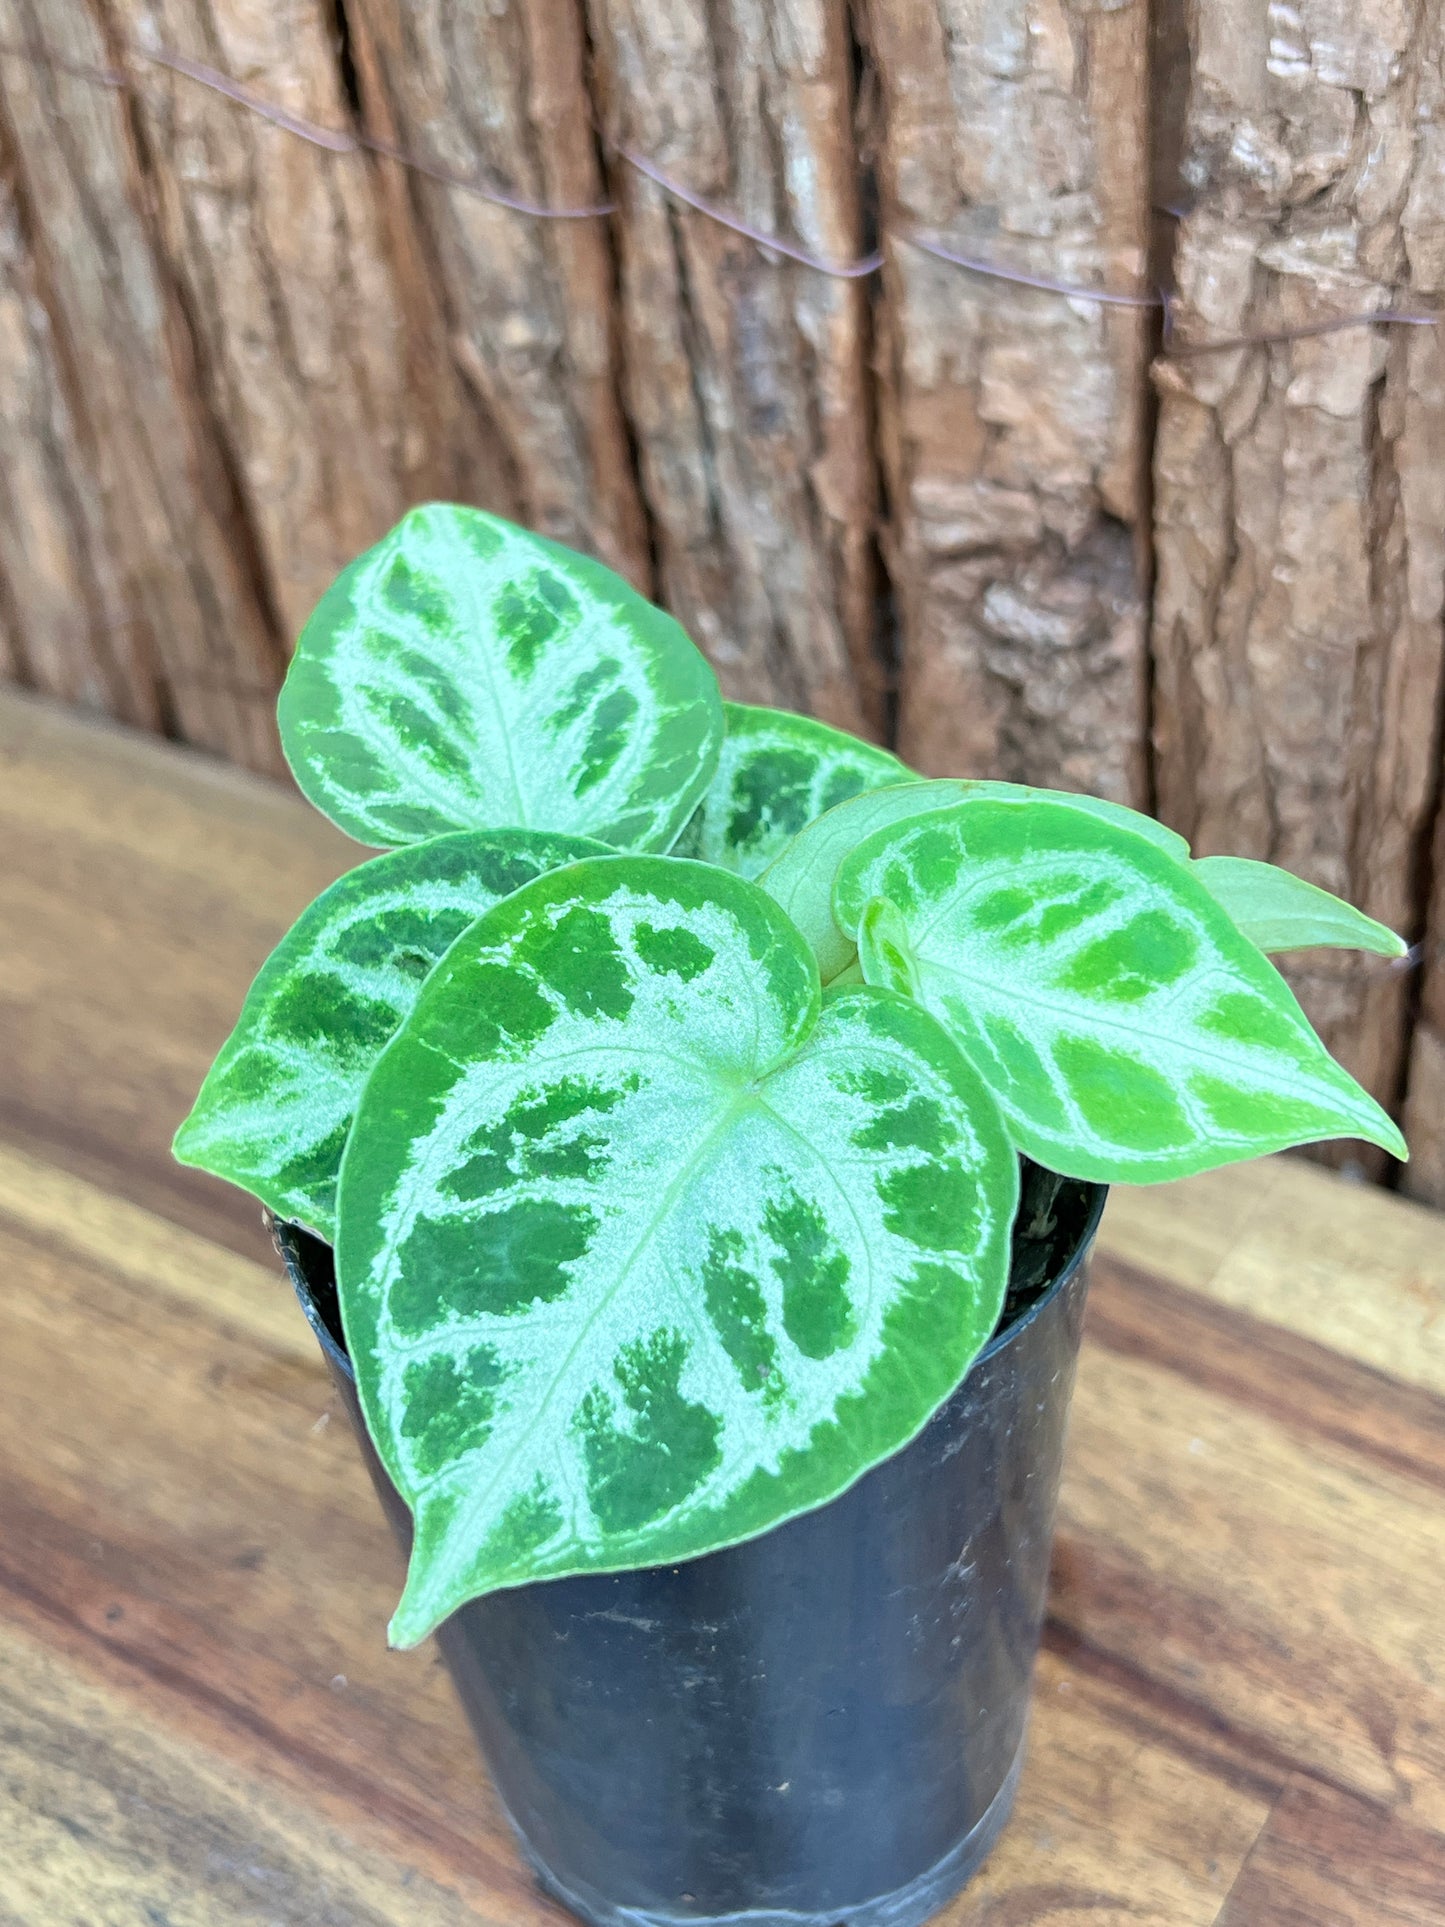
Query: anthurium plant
{"points": [[663, 1088]]}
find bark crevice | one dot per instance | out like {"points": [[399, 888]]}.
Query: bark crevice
{"points": [[1010, 417], [1300, 490]]}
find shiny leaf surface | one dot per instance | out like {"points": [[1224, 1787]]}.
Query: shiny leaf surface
{"points": [[776, 773], [1128, 1030], [1278, 911], [275, 1109], [464, 674], [643, 1246], [801, 877]]}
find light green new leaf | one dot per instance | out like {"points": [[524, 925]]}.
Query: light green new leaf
{"points": [[1278, 911], [1129, 1031], [777, 772], [464, 674], [275, 1109], [802, 876], [642, 1249], [885, 952]]}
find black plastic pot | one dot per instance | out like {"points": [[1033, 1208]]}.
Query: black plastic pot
{"points": [[820, 1728]]}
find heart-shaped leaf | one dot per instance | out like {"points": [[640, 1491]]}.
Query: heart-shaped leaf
{"points": [[1127, 1028], [464, 674], [642, 1250], [776, 773], [274, 1112], [1278, 911], [801, 877]]}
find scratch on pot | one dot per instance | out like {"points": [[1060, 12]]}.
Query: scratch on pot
{"points": [[620, 1618]]}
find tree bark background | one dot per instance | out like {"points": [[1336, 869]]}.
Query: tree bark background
{"points": [[1423, 225], [746, 377], [154, 522], [947, 511], [526, 305], [61, 602], [1299, 495], [1016, 131]]}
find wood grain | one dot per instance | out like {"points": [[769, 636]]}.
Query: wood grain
{"points": [[1300, 488], [1263, 1571], [1355, 1272], [1325, 1860], [1012, 419], [745, 372], [139, 894], [1239, 1714]]}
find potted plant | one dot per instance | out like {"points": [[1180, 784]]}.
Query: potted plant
{"points": [[686, 1140]]}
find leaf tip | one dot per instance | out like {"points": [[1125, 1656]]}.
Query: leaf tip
{"points": [[435, 1586], [186, 1147], [1378, 1127], [416, 1617], [1393, 1141]]}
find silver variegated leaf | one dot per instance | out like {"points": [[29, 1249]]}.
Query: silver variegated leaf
{"points": [[1129, 1031], [465, 674], [776, 773], [801, 877], [644, 1249], [275, 1109], [1278, 911]]}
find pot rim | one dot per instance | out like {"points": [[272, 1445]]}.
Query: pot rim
{"points": [[282, 1229], [1078, 1256]]}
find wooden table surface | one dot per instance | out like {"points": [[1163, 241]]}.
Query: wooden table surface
{"points": [[1240, 1711]]}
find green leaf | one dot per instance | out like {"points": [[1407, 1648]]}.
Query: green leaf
{"points": [[1278, 911], [643, 1249], [885, 952], [1129, 1031], [464, 674], [802, 876], [275, 1109], [776, 773]]}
